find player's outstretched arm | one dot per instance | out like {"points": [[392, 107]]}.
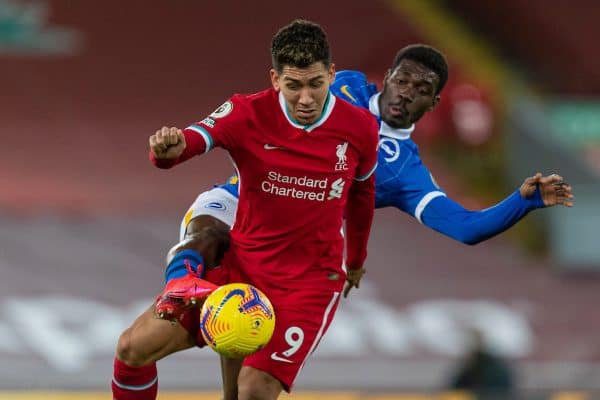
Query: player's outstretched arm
{"points": [[471, 227], [553, 189]]}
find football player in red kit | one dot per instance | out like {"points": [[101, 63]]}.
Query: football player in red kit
{"points": [[302, 158]]}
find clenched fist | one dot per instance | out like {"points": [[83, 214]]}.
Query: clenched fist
{"points": [[167, 143]]}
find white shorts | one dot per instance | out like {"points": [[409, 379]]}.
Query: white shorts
{"points": [[217, 202]]}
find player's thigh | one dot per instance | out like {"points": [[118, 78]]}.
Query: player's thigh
{"points": [[302, 318], [217, 203], [149, 339]]}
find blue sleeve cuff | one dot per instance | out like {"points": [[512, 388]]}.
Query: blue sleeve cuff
{"points": [[533, 202]]}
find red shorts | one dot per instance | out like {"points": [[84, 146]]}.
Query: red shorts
{"points": [[302, 318]]}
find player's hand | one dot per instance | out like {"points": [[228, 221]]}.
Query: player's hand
{"points": [[554, 190], [353, 279], [167, 143]]}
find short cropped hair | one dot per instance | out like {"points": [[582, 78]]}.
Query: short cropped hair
{"points": [[300, 44], [430, 57]]}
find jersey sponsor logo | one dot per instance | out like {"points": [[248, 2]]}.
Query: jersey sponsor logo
{"points": [[340, 152], [391, 148], [208, 121], [302, 187], [346, 92], [223, 110], [337, 188], [297, 187], [276, 357], [215, 205], [271, 147]]}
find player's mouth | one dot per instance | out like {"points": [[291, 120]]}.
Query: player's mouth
{"points": [[305, 115], [397, 111]]}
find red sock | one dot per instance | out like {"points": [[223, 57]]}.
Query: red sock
{"points": [[131, 383]]}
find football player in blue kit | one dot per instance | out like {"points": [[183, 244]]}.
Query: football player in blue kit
{"points": [[411, 87]]}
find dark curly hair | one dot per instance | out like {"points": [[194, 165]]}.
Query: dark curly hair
{"points": [[300, 44], [429, 56]]}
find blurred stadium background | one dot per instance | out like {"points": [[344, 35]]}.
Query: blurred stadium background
{"points": [[85, 220]]}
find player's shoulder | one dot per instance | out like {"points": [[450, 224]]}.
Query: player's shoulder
{"points": [[252, 100], [244, 107], [353, 87]]}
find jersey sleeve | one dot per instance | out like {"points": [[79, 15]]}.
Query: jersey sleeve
{"points": [[409, 187], [216, 130], [359, 217], [361, 201], [368, 158], [471, 227]]}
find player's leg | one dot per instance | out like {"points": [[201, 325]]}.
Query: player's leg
{"points": [[254, 384], [149, 339], [139, 347], [303, 317], [230, 370]]}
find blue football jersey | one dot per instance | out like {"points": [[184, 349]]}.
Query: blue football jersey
{"points": [[403, 181]]}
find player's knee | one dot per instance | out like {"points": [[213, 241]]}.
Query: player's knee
{"points": [[128, 352], [257, 385]]}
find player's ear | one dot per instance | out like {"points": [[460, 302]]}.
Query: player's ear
{"points": [[274, 79], [435, 102], [331, 73]]}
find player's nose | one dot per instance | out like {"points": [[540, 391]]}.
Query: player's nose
{"points": [[407, 94], [306, 97]]}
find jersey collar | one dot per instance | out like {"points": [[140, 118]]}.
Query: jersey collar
{"points": [[385, 129], [327, 109]]}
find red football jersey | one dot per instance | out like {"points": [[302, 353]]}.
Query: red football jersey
{"points": [[295, 181]]}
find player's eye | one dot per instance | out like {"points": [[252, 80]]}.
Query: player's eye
{"points": [[316, 84]]}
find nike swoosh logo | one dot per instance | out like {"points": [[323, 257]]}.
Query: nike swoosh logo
{"points": [[271, 147], [346, 92], [275, 357]]}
